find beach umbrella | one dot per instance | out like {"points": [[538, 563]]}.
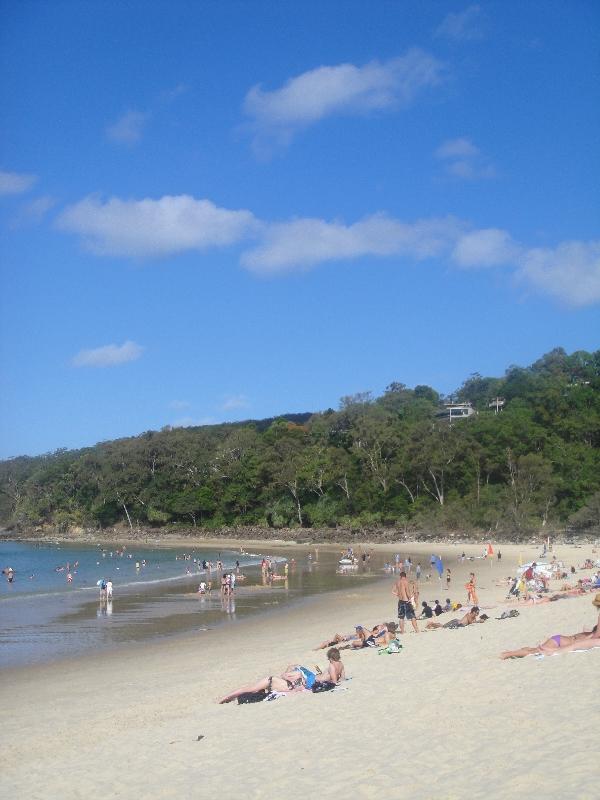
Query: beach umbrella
{"points": [[439, 566], [490, 550]]}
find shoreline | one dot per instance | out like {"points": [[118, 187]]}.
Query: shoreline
{"points": [[284, 537], [447, 694]]}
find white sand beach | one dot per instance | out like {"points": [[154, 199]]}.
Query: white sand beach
{"points": [[445, 718]]}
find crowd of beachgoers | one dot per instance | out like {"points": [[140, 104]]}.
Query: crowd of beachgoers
{"points": [[531, 586]]}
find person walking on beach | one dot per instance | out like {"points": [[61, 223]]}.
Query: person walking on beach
{"points": [[418, 570], [448, 577], [109, 589], [405, 608]]}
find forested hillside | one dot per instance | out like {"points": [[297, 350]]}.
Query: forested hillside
{"points": [[511, 468]]}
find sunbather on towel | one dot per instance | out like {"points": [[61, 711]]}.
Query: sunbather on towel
{"points": [[469, 619], [559, 643], [296, 678], [274, 683]]}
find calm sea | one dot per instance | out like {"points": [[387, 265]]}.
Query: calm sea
{"points": [[45, 616]]}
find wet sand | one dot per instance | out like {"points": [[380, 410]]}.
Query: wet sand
{"points": [[445, 718]]}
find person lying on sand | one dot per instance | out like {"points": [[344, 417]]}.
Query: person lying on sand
{"points": [[295, 678], [469, 619], [559, 643], [380, 636], [365, 638], [337, 639]]}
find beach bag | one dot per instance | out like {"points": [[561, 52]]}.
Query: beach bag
{"points": [[252, 697], [393, 647], [323, 686]]}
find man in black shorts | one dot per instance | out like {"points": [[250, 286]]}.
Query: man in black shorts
{"points": [[405, 607]]}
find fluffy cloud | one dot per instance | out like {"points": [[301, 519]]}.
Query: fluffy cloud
{"points": [[108, 356], [463, 26], [340, 89], [488, 247], [15, 182], [147, 228], [128, 128], [170, 225], [570, 271], [463, 160], [303, 243], [457, 148]]}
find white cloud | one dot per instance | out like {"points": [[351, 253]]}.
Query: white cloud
{"points": [[463, 26], [34, 212], [144, 228], [235, 401], [457, 148], [570, 271], [15, 182], [488, 247], [303, 243], [464, 160], [340, 89], [128, 128], [470, 171], [108, 356], [149, 228]]}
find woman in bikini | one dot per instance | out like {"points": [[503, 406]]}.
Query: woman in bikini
{"points": [[295, 678], [558, 643]]}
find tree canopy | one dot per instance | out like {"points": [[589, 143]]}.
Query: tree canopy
{"points": [[515, 466]]}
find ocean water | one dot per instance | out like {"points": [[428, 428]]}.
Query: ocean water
{"points": [[44, 616]]}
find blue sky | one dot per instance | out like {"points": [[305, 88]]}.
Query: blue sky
{"points": [[228, 210]]}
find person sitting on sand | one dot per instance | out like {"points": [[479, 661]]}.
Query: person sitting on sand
{"points": [[585, 640], [426, 611], [296, 678], [437, 609], [390, 634], [335, 669], [469, 619]]}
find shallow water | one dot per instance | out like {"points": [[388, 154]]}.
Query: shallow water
{"points": [[45, 617]]}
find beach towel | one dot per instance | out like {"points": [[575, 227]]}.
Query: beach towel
{"points": [[253, 697], [323, 686]]}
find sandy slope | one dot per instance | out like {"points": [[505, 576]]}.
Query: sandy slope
{"points": [[445, 718]]}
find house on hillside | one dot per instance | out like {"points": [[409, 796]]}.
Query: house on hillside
{"points": [[454, 411]]}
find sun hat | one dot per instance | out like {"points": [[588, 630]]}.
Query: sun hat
{"points": [[596, 601]]}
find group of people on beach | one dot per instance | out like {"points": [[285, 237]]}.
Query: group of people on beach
{"points": [[384, 637]]}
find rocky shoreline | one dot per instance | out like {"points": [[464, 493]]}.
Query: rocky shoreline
{"points": [[302, 536]]}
